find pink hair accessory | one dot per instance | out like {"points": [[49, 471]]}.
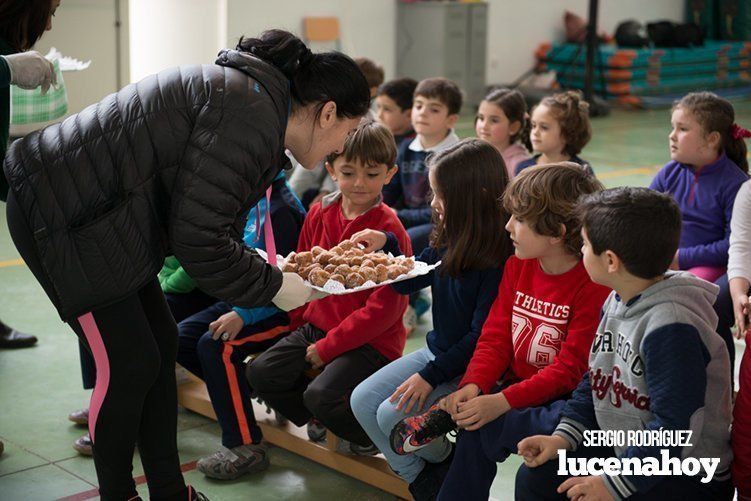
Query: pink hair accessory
{"points": [[739, 132]]}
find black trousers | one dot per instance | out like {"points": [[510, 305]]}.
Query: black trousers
{"points": [[278, 377], [134, 344]]}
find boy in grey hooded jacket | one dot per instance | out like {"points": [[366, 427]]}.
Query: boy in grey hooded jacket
{"points": [[656, 368]]}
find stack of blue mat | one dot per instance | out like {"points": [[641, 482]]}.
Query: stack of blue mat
{"points": [[650, 76]]}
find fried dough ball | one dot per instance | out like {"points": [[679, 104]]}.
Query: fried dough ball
{"points": [[354, 279], [367, 263], [338, 278], [407, 262], [325, 257], [379, 258], [396, 271], [343, 269], [304, 258], [337, 260], [319, 277], [355, 260], [330, 268], [316, 250], [382, 273], [292, 258], [306, 271], [290, 267], [369, 274], [347, 245], [337, 250]]}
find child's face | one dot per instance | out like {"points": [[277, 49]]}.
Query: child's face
{"points": [[493, 126], [437, 202], [431, 118], [546, 135], [392, 116], [596, 266], [528, 244], [688, 142], [359, 183]]}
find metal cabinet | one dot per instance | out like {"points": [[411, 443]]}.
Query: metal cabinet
{"points": [[446, 39]]}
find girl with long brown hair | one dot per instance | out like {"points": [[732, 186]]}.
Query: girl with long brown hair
{"points": [[468, 181]]}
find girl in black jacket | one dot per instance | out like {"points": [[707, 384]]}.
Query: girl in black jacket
{"points": [[170, 164]]}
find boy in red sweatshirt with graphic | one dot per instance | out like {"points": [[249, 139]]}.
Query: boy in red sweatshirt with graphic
{"points": [[349, 336], [535, 342]]}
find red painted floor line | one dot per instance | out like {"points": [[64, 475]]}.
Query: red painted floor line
{"points": [[93, 493]]}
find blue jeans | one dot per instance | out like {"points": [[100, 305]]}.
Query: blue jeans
{"points": [[378, 416]]}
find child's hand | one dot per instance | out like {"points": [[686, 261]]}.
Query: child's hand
{"points": [[479, 411], [373, 240], [590, 488], [414, 390], [450, 404], [313, 358], [741, 309], [539, 449], [230, 324]]}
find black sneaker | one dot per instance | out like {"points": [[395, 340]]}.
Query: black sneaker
{"points": [[428, 483], [415, 432]]}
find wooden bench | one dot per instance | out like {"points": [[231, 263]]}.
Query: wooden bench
{"points": [[372, 470]]}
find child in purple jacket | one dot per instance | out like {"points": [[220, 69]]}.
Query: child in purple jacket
{"points": [[708, 166]]}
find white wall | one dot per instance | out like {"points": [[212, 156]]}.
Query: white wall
{"points": [[167, 33], [516, 28], [368, 27]]}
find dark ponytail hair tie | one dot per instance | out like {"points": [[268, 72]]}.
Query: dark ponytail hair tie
{"points": [[739, 132], [305, 57]]}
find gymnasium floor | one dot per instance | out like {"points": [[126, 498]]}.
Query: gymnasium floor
{"points": [[39, 386]]}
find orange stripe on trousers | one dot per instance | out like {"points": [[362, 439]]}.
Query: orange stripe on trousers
{"points": [[234, 388]]}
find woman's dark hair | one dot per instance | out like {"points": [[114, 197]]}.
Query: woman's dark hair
{"points": [[23, 22], [470, 179], [716, 114], [513, 105], [313, 78]]}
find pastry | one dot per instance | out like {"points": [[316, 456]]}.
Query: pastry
{"points": [[382, 273], [318, 277], [290, 267], [304, 258], [354, 279], [368, 274]]}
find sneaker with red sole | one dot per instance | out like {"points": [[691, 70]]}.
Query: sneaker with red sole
{"points": [[415, 432]]}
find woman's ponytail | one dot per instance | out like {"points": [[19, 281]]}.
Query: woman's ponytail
{"points": [[279, 48], [314, 78]]}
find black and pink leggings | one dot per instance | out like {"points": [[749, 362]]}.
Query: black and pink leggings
{"points": [[134, 343]]}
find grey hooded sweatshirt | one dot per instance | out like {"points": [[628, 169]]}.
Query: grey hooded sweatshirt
{"points": [[657, 363]]}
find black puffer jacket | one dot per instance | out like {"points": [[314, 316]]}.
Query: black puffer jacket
{"points": [[169, 165]]}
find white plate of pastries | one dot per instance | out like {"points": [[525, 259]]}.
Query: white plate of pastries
{"points": [[346, 268]]}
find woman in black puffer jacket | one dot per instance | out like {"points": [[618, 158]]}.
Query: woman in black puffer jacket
{"points": [[169, 165]]}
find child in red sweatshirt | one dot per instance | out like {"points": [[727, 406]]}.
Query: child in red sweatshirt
{"points": [[350, 336], [535, 341]]}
